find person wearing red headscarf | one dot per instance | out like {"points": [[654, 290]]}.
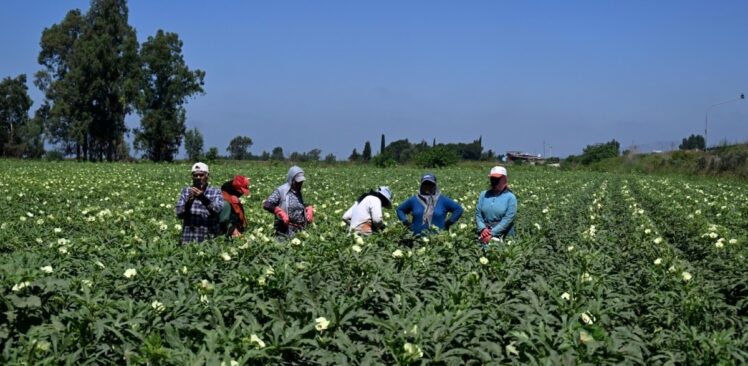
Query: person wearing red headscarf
{"points": [[232, 219]]}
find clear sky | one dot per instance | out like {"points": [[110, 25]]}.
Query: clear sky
{"points": [[334, 74]]}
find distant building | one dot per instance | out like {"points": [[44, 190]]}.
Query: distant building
{"points": [[521, 156]]}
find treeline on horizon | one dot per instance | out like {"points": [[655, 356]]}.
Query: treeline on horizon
{"points": [[397, 152]]}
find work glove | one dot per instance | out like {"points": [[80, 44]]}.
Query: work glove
{"points": [[309, 211], [485, 235], [282, 215]]}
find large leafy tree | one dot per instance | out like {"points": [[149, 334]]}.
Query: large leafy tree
{"points": [[14, 113], [277, 154], [239, 147], [692, 142], [91, 78], [166, 85]]}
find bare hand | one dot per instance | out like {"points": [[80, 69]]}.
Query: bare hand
{"points": [[195, 193]]}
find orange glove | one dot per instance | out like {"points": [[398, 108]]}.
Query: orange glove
{"points": [[282, 215], [309, 210]]}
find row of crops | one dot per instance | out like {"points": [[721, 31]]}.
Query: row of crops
{"points": [[605, 269]]}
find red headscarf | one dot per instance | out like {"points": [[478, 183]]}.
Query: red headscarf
{"points": [[241, 185]]}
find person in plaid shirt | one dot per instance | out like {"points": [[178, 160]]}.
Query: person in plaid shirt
{"points": [[199, 206]]}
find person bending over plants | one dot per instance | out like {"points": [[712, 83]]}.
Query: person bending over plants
{"points": [[365, 216]]}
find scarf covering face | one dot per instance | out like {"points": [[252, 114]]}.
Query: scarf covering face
{"points": [[502, 184], [429, 200]]}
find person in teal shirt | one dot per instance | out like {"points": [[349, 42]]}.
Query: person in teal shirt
{"points": [[429, 208], [496, 208]]}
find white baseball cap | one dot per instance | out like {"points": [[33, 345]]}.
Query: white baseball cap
{"points": [[497, 171], [386, 192], [200, 167]]}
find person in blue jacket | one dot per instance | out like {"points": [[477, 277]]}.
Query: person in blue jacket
{"points": [[428, 208], [496, 208]]}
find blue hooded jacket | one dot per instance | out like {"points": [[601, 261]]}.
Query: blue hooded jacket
{"points": [[417, 206]]}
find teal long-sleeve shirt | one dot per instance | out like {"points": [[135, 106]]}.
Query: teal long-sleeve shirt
{"points": [[496, 211]]}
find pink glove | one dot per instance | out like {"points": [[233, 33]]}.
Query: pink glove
{"points": [[282, 215], [485, 235], [309, 210]]}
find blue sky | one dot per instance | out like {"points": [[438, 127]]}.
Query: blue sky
{"points": [[334, 74]]}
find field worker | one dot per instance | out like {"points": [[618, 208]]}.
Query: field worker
{"points": [[232, 219], [287, 203], [496, 208], [365, 216], [429, 208], [198, 207]]}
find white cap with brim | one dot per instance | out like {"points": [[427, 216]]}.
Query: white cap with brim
{"points": [[385, 192], [200, 167], [298, 178], [497, 172]]}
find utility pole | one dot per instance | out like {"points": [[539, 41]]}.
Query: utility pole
{"points": [[706, 116]]}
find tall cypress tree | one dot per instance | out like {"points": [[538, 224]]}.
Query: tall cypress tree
{"points": [[366, 154]]}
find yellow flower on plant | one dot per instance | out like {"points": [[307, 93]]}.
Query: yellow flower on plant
{"points": [[130, 273], [658, 261], [587, 318], [254, 339], [586, 277], [356, 248], [686, 276], [397, 253], [566, 296], [158, 306], [412, 350], [47, 269], [21, 286], [321, 323], [225, 256], [483, 260], [585, 337]]}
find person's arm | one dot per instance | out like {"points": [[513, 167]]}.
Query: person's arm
{"points": [[348, 215], [508, 218], [479, 221], [375, 211], [212, 200], [272, 202], [403, 210], [184, 203], [456, 210]]}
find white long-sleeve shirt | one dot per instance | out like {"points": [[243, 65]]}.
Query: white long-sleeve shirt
{"points": [[363, 214]]}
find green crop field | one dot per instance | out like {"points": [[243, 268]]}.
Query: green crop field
{"points": [[605, 269]]}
